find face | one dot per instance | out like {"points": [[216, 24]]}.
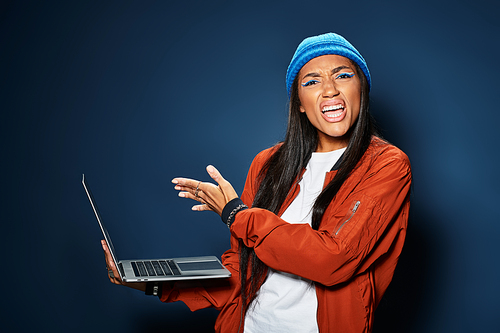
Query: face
{"points": [[330, 96]]}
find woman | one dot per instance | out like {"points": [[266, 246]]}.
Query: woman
{"points": [[329, 209]]}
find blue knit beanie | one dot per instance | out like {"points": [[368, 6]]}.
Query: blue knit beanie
{"points": [[329, 43]]}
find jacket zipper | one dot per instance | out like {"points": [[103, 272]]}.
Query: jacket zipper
{"points": [[354, 209]]}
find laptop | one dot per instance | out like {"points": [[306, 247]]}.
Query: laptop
{"points": [[151, 270]]}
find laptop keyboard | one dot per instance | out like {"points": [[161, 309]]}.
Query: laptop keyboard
{"points": [[155, 268]]}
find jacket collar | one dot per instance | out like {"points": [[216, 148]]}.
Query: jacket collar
{"points": [[336, 166]]}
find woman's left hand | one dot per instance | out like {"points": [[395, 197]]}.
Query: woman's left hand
{"points": [[210, 196], [113, 274]]}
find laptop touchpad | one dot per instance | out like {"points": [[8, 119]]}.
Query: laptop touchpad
{"points": [[199, 265]]}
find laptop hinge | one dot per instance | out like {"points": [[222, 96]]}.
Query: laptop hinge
{"points": [[122, 271]]}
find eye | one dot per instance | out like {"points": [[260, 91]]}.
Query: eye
{"points": [[309, 83], [345, 75]]}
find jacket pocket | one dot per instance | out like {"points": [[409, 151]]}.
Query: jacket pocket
{"points": [[349, 215]]}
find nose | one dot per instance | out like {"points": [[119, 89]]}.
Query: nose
{"points": [[329, 89]]}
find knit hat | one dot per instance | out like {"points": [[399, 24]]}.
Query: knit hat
{"points": [[329, 43]]}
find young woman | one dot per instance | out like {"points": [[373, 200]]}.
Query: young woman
{"points": [[328, 212]]}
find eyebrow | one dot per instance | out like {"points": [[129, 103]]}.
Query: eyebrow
{"points": [[335, 70]]}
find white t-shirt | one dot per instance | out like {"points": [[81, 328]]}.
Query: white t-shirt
{"points": [[286, 302]]}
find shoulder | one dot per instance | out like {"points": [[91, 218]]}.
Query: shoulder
{"points": [[384, 154], [255, 174], [261, 158], [384, 149]]}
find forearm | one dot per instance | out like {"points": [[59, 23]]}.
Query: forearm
{"points": [[356, 229]]}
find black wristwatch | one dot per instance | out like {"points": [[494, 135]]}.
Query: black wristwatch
{"points": [[152, 288]]}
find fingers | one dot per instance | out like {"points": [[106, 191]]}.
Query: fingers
{"points": [[225, 186], [198, 193], [201, 208], [186, 182], [197, 190], [207, 203], [210, 196], [189, 188], [113, 274], [214, 173]]}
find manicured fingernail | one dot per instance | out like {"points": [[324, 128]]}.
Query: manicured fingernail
{"points": [[175, 181]]}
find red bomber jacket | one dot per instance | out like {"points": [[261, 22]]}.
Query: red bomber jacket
{"points": [[351, 257]]}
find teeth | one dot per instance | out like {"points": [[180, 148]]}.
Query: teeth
{"points": [[334, 115], [332, 107]]}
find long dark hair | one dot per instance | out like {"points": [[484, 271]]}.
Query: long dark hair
{"points": [[284, 167]]}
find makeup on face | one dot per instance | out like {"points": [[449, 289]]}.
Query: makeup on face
{"points": [[344, 75], [329, 93]]}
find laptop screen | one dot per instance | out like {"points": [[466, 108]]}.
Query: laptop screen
{"points": [[107, 238]]}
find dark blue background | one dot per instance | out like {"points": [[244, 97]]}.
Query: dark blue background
{"points": [[134, 93]]}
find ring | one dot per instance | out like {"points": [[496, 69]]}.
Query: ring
{"points": [[197, 190]]}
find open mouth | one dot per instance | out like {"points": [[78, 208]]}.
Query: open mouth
{"points": [[334, 111]]}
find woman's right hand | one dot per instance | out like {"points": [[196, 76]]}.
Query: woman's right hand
{"points": [[113, 274], [210, 196]]}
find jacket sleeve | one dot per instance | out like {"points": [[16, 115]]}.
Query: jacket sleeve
{"points": [[200, 294], [369, 216], [216, 293]]}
